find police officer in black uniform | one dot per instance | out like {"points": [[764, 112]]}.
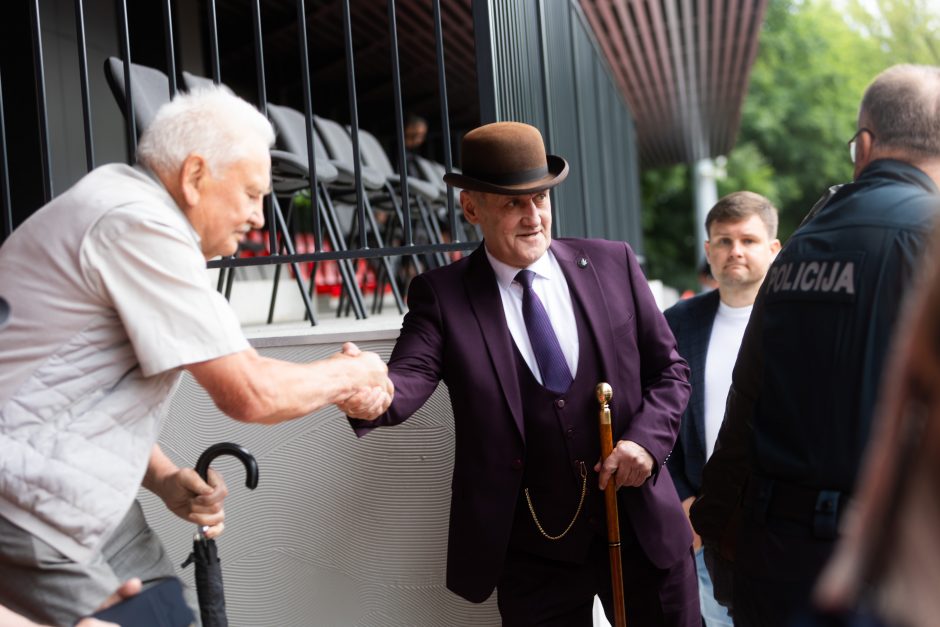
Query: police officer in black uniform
{"points": [[806, 378]]}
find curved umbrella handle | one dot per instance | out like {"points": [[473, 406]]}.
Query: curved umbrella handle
{"points": [[236, 450]]}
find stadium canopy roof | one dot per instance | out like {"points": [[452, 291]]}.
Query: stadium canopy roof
{"points": [[682, 65]]}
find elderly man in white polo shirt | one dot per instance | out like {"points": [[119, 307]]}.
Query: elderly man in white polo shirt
{"points": [[110, 302]]}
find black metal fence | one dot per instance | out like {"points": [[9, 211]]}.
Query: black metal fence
{"points": [[354, 211], [540, 62], [338, 199]]}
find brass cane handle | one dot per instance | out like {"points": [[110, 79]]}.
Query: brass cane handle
{"points": [[604, 394]]}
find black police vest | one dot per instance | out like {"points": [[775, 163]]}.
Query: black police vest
{"points": [[561, 437], [829, 305]]}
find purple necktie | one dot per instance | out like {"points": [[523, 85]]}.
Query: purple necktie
{"points": [[555, 373]]}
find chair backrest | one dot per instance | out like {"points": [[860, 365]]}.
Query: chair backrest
{"points": [[373, 153], [150, 89], [340, 146], [337, 140], [192, 81], [291, 128], [431, 171]]}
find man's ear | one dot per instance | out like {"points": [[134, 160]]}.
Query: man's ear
{"points": [[863, 152], [469, 209], [707, 258], [775, 247], [193, 174]]}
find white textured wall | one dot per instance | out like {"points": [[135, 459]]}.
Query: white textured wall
{"points": [[340, 531]]}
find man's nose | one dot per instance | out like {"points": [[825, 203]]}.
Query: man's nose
{"points": [[530, 210], [256, 219]]}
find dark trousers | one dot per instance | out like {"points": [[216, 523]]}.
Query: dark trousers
{"points": [[776, 566], [537, 591]]}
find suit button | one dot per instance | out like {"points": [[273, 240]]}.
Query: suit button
{"points": [[560, 403], [570, 432], [516, 464]]}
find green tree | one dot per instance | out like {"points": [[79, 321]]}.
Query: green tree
{"points": [[802, 103], [905, 30], [668, 226], [671, 246], [813, 64], [749, 169]]}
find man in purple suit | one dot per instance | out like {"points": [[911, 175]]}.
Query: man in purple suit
{"points": [[522, 331]]}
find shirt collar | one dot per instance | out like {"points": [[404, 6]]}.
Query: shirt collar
{"points": [[506, 274], [152, 176], [897, 170]]}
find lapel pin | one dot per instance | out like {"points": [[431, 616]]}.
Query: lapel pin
{"points": [[582, 263]]}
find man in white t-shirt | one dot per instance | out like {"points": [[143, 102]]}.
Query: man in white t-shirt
{"points": [[110, 301], [742, 243]]}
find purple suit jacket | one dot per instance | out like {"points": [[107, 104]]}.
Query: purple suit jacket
{"points": [[455, 331]]}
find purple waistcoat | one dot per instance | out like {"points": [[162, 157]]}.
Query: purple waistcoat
{"points": [[561, 436]]}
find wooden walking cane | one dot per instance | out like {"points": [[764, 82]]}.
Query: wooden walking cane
{"points": [[604, 394]]}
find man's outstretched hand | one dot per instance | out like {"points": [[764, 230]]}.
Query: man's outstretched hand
{"points": [[371, 399]]}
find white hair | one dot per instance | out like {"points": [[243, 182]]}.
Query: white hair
{"points": [[212, 122]]}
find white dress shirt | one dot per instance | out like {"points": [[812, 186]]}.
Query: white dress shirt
{"points": [[552, 289]]}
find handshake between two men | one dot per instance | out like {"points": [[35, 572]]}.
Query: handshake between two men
{"points": [[373, 394]]}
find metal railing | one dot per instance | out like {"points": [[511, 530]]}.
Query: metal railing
{"points": [[362, 242]]}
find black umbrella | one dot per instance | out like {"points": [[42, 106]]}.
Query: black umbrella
{"points": [[205, 555]]}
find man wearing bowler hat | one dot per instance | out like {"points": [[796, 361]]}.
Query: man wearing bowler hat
{"points": [[522, 331]]}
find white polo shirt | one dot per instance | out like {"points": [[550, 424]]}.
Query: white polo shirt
{"points": [[109, 296]]}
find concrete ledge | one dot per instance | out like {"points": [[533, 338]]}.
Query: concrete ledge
{"points": [[331, 330]]}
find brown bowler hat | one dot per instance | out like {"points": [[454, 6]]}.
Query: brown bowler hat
{"points": [[507, 158]]}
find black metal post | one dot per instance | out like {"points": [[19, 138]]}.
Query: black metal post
{"points": [[318, 205], [308, 122], [354, 123], [399, 126], [130, 126], [170, 49], [262, 105], [42, 109], [214, 43], [445, 114], [225, 274], [5, 175], [275, 217], [83, 79]]}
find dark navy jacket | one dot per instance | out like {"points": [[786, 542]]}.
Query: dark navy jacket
{"points": [[691, 322]]}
